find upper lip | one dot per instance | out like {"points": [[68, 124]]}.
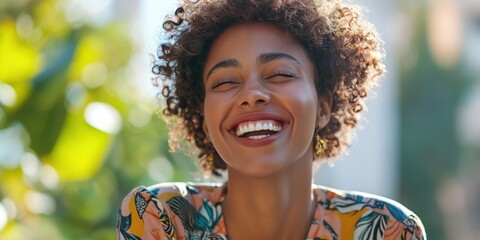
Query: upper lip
{"points": [[256, 116]]}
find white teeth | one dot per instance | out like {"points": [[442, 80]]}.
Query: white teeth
{"points": [[258, 137], [258, 126], [252, 126]]}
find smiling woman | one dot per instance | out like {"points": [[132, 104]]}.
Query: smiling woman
{"points": [[263, 89], [271, 82]]}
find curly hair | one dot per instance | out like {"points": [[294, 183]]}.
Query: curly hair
{"points": [[344, 48]]}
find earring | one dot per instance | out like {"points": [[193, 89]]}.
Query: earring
{"points": [[211, 161], [319, 146], [210, 158]]}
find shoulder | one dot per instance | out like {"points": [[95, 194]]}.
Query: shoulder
{"points": [[165, 192], [372, 215], [160, 211]]}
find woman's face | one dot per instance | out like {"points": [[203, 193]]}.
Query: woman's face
{"points": [[261, 106]]}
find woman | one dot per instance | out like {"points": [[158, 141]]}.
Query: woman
{"points": [[263, 89]]}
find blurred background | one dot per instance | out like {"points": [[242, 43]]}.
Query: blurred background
{"points": [[79, 126]]}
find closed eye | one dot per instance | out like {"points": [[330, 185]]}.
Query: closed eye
{"points": [[220, 83], [284, 74]]}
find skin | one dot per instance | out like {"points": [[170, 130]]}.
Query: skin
{"points": [[257, 72]]}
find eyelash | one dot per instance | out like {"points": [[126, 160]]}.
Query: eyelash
{"points": [[281, 73], [219, 83]]}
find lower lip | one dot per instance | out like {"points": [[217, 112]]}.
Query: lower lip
{"points": [[260, 142]]}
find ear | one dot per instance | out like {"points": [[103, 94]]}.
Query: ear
{"points": [[324, 108]]}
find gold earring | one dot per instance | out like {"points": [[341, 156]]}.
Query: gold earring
{"points": [[319, 146], [211, 161], [210, 158]]}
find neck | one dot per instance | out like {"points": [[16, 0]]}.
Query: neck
{"points": [[279, 206]]}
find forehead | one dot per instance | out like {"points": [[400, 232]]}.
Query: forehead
{"points": [[248, 41]]}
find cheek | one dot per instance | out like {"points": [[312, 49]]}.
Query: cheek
{"points": [[303, 102], [302, 99], [307, 110], [309, 99], [213, 112], [208, 110]]}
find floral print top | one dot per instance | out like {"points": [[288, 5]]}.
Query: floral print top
{"points": [[192, 211]]}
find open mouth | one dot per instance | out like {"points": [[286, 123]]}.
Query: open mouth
{"points": [[258, 129]]}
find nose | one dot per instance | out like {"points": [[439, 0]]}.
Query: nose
{"points": [[254, 96]]}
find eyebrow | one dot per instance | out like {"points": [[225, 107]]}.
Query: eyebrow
{"points": [[224, 64], [268, 57], [262, 59]]}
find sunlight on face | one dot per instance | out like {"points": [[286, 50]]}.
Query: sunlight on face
{"points": [[260, 102]]}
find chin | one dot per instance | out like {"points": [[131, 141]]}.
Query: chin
{"points": [[259, 168]]}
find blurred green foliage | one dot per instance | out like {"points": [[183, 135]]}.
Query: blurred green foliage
{"points": [[75, 132]]}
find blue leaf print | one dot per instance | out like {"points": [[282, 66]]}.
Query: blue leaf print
{"points": [[396, 212], [208, 216], [154, 190], [371, 226]]}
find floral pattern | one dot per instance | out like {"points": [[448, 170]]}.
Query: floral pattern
{"points": [[186, 211]]}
